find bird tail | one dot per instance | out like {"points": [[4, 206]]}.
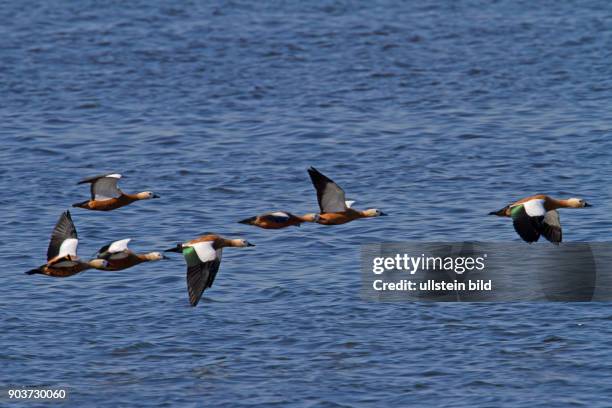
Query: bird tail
{"points": [[500, 213], [81, 204], [178, 248], [248, 221], [33, 271]]}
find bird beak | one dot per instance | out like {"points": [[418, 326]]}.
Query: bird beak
{"points": [[588, 205], [249, 244], [382, 214], [155, 196], [492, 213], [165, 257]]}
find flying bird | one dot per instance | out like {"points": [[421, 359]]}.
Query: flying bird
{"points": [[279, 219], [203, 258], [537, 215], [62, 259], [106, 196], [119, 256], [335, 209]]}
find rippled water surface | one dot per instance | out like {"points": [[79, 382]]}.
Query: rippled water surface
{"points": [[435, 113]]}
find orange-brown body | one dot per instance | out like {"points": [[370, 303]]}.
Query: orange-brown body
{"points": [[63, 267], [63, 272], [218, 242], [270, 224], [341, 217], [128, 261], [549, 204], [110, 204], [272, 221]]}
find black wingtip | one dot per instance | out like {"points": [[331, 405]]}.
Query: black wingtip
{"points": [[248, 221], [80, 205], [103, 249], [178, 248]]}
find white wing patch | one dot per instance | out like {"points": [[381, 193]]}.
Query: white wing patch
{"points": [[119, 246], [535, 208], [205, 251], [115, 175], [280, 214], [68, 247], [102, 198], [349, 203]]}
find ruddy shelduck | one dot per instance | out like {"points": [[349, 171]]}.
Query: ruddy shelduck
{"points": [[203, 258], [120, 257], [106, 196], [537, 215], [62, 259], [335, 209], [279, 219]]}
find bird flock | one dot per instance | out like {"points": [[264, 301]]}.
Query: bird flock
{"points": [[532, 217], [202, 255]]}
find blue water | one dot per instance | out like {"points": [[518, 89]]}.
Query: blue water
{"points": [[436, 114]]}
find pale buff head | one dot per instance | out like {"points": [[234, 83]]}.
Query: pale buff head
{"points": [[373, 212], [146, 195], [154, 256], [98, 263], [311, 217], [576, 203], [239, 243]]}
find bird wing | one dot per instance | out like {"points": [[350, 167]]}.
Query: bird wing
{"points": [[330, 196], [115, 247], [64, 238], [119, 246], [278, 217], [203, 263], [551, 227], [214, 269], [526, 220], [103, 187]]}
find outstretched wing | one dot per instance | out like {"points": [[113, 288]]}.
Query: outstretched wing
{"points": [[278, 217], [330, 196], [64, 238], [203, 263], [103, 187], [527, 219], [113, 248], [551, 227]]}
